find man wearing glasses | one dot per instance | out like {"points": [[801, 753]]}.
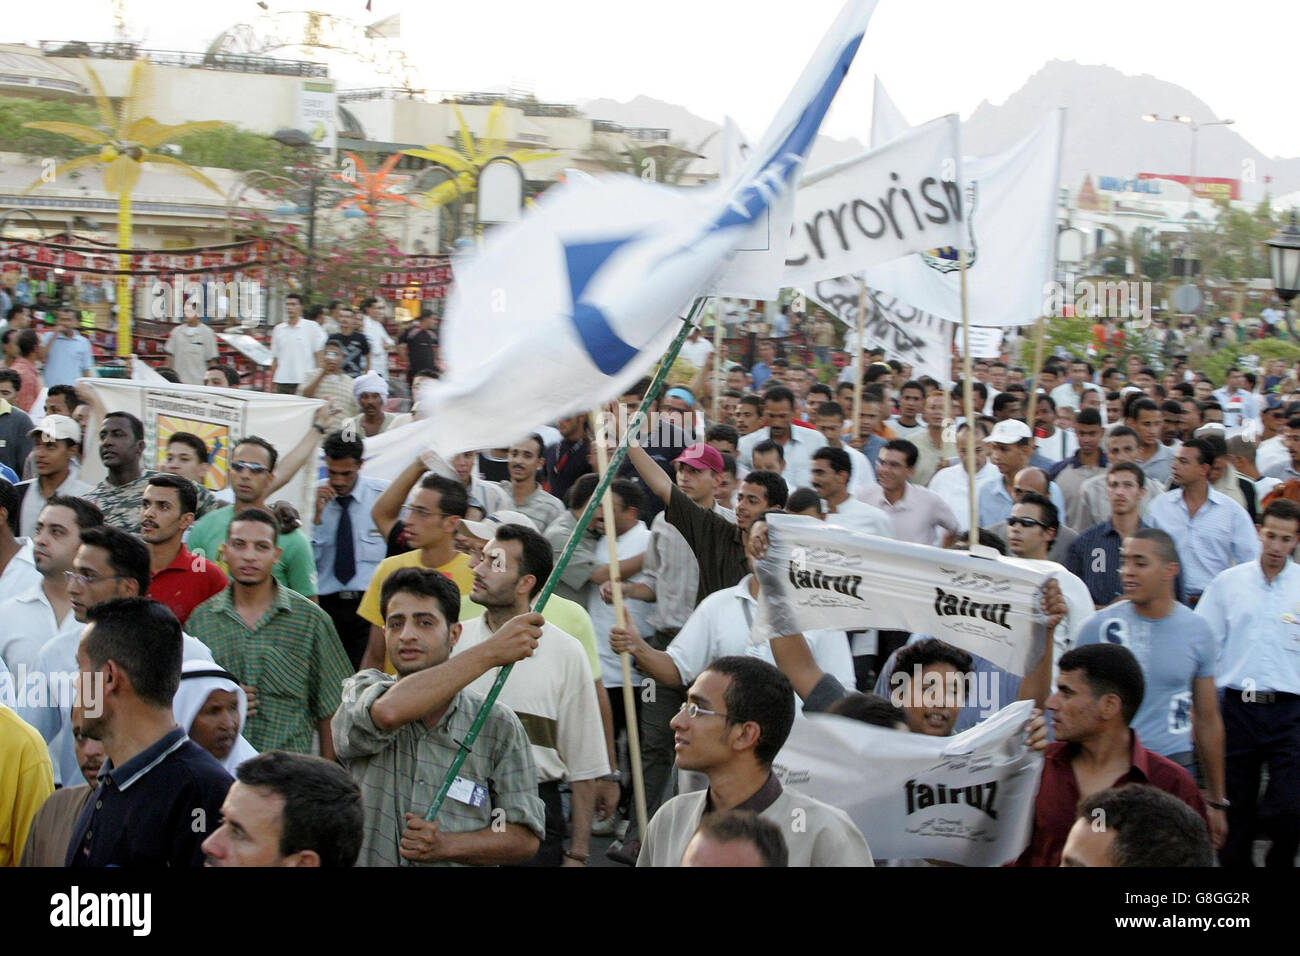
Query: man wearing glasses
{"points": [[431, 518], [252, 473], [736, 718]]}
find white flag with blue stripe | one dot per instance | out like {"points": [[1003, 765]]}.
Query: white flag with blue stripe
{"points": [[567, 308]]}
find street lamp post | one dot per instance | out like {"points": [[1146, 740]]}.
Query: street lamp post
{"points": [[1284, 267], [1195, 127], [297, 139]]}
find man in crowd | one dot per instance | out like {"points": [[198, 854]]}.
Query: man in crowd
{"points": [[736, 838], [1144, 827], [352, 342], [296, 344], [797, 442], [566, 459], [25, 783], [252, 474], [952, 483], [1090, 506], [274, 640], [288, 810], [738, 714], [420, 347], [1094, 556], [56, 443], [1210, 530], [526, 495], [1250, 609], [1237, 401], [551, 692], [1176, 651], [1098, 692], [425, 711], [180, 580], [68, 356], [187, 457], [830, 479], [347, 546], [1011, 449], [1035, 481], [915, 513], [1087, 461], [192, 345], [933, 449], [47, 840], [911, 400], [333, 385], [160, 793], [830, 422], [1156, 459], [372, 325], [431, 520], [371, 392], [121, 447]]}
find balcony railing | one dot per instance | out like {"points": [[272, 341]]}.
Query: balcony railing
{"points": [[228, 62]]}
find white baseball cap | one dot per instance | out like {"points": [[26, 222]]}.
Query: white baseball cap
{"points": [[1009, 431], [487, 528]]}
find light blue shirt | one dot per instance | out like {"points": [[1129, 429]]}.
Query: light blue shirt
{"points": [[1173, 652], [1247, 406], [369, 546], [1256, 626], [67, 360], [995, 502], [1220, 535]]}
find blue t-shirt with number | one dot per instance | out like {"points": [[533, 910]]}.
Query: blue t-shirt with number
{"points": [[1173, 652]]}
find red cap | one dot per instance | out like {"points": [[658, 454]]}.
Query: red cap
{"points": [[701, 456]]}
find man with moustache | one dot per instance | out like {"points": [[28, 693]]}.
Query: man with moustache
{"points": [[398, 735], [180, 581], [121, 446]]}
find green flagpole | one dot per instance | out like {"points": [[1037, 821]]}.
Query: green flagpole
{"points": [[593, 503]]}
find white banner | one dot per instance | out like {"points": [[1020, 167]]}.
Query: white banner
{"points": [[819, 576], [985, 343], [1009, 202], [967, 799], [222, 417], [318, 113], [898, 199], [913, 337]]}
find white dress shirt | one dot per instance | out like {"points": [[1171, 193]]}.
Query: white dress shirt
{"points": [[1257, 627], [20, 574], [380, 342], [951, 484], [857, 515], [294, 348], [1218, 536], [798, 453]]}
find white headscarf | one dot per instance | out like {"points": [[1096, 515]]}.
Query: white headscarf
{"points": [[370, 382], [193, 694]]}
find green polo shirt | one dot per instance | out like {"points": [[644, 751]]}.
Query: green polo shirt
{"points": [[293, 657], [296, 567]]}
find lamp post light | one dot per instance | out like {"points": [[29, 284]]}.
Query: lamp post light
{"points": [[1284, 267], [1195, 127]]}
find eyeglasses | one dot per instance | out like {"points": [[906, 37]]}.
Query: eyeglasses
{"points": [[76, 577], [1025, 523], [419, 512], [695, 710], [239, 467]]}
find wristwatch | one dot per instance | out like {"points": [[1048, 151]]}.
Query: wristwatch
{"points": [[1219, 805], [319, 427]]}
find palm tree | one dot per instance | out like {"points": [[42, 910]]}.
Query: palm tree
{"points": [[468, 160], [664, 164], [370, 189], [126, 140]]}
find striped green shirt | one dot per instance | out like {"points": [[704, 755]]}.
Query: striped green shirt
{"points": [[293, 657], [400, 771]]}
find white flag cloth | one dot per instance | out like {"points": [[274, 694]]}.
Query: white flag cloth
{"points": [[900, 198], [906, 333], [984, 343], [967, 799], [887, 121], [1009, 203], [819, 576], [222, 417], [568, 307]]}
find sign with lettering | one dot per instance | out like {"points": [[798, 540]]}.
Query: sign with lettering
{"points": [[819, 576], [967, 799]]}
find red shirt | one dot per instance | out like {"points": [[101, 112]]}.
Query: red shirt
{"points": [[1056, 806], [186, 583]]}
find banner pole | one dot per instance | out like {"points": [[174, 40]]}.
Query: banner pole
{"points": [[1040, 332], [579, 529], [718, 306], [969, 401], [620, 616], [857, 359]]}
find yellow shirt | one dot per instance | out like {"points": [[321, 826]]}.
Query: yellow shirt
{"points": [[457, 569], [569, 616], [27, 782]]}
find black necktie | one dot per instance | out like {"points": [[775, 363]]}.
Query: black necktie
{"points": [[345, 557]]}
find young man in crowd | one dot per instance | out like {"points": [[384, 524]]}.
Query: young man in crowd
{"points": [[915, 513], [1094, 556], [425, 710], [527, 496], [180, 580], [56, 443], [121, 447]]}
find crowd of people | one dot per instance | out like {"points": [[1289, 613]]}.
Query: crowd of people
{"points": [[194, 675]]}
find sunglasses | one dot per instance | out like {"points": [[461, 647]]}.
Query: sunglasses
{"points": [[1025, 523], [239, 467]]}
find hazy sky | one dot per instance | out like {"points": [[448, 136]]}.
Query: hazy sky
{"points": [[740, 56]]}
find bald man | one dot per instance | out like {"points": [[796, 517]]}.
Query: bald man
{"points": [[1036, 480]]}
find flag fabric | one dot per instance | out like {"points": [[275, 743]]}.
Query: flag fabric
{"points": [[887, 120], [899, 198], [568, 307], [1009, 203], [916, 338], [819, 576], [967, 799]]}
